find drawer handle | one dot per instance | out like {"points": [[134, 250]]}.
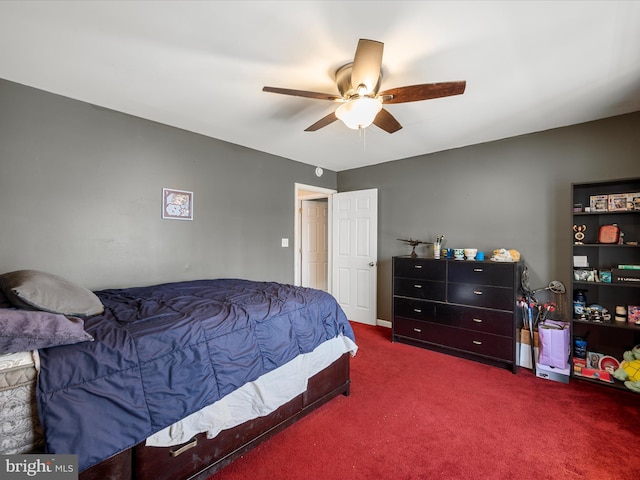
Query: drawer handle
{"points": [[478, 269], [417, 266], [417, 286], [477, 320], [174, 452], [417, 310], [477, 342], [477, 292], [417, 330]]}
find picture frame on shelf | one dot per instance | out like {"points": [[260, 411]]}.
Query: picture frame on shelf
{"points": [[593, 359], [585, 274]]}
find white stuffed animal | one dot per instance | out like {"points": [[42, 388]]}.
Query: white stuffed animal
{"points": [[504, 255]]}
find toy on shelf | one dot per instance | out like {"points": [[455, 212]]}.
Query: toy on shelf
{"points": [[504, 255], [629, 371], [413, 244]]}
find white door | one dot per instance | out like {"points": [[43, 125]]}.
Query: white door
{"points": [[314, 241], [355, 253]]}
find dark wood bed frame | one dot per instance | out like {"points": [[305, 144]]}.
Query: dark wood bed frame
{"points": [[200, 458]]}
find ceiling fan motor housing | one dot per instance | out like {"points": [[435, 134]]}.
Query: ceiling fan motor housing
{"points": [[343, 81]]}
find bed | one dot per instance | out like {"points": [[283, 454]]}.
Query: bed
{"points": [[176, 380]]}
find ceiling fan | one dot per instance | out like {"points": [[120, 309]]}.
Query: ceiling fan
{"points": [[362, 103]]}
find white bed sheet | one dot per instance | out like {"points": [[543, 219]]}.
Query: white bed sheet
{"points": [[255, 399]]}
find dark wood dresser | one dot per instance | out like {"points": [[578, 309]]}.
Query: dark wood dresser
{"points": [[463, 308]]}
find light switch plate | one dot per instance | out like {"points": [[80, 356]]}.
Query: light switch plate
{"points": [[285, 242]]}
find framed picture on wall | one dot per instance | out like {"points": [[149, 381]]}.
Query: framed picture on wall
{"points": [[177, 204]]}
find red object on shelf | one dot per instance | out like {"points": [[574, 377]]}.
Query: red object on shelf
{"points": [[594, 373], [609, 234]]}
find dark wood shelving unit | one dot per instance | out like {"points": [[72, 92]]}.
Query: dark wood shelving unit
{"points": [[609, 338]]}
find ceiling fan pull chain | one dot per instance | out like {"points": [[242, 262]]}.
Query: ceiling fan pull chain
{"points": [[363, 134]]}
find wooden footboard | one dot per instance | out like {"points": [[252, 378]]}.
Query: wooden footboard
{"points": [[200, 458]]}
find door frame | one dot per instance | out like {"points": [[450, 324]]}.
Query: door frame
{"points": [[310, 192]]}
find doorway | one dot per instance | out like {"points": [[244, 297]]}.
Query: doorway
{"points": [[314, 253], [304, 264], [350, 236]]}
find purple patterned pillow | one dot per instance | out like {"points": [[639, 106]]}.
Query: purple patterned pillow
{"points": [[23, 330]]}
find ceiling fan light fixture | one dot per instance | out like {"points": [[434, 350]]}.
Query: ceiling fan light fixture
{"points": [[359, 112], [358, 84]]}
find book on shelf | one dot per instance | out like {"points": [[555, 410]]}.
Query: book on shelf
{"points": [[625, 276], [594, 373]]}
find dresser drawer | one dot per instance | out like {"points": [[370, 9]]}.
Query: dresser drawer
{"points": [[473, 342], [483, 344], [416, 288], [500, 298], [417, 309], [477, 319], [410, 328], [480, 273], [494, 346], [421, 268]]}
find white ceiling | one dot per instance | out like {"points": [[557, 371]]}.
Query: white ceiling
{"points": [[201, 65]]}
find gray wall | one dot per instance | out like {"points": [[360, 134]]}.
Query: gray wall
{"points": [[514, 193], [81, 187], [81, 191]]}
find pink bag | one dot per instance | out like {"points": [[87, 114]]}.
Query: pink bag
{"points": [[554, 343]]}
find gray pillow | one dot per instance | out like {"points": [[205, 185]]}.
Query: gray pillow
{"points": [[35, 290], [4, 301], [23, 330]]}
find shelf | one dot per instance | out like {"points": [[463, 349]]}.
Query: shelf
{"points": [[605, 245], [606, 284], [593, 214], [610, 338], [617, 383], [621, 325]]}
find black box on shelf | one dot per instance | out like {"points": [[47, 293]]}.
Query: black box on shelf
{"points": [[625, 276]]}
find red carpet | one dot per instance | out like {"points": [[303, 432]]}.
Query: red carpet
{"points": [[417, 414]]}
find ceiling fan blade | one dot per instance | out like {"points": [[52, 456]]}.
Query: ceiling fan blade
{"points": [[425, 91], [366, 64], [323, 122], [386, 122], [302, 93]]}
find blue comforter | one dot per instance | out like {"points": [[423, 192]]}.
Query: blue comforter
{"points": [[163, 352]]}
